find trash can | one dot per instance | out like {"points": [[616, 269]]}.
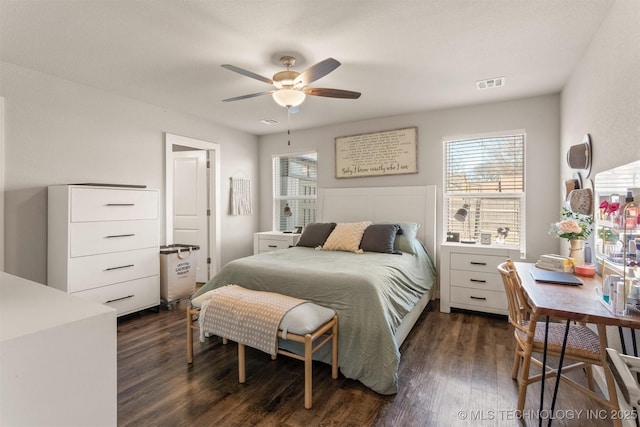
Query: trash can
{"points": [[178, 265]]}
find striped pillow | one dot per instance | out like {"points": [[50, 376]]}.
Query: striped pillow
{"points": [[346, 237]]}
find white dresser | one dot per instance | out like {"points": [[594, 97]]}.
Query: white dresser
{"points": [[266, 241], [104, 245], [469, 277]]}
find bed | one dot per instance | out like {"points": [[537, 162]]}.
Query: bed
{"points": [[378, 296]]}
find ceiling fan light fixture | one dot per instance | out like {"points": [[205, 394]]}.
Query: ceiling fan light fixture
{"points": [[289, 97]]}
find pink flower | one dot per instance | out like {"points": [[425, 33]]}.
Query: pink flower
{"points": [[604, 204], [613, 207], [569, 226]]}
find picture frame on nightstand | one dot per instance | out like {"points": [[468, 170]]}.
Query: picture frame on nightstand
{"points": [[485, 238]]}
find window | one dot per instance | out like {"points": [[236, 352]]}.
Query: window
{"points": [[485, 175], [294, 190]]}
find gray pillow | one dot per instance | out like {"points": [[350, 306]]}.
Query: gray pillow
{"points": [[380, 238], [315, 234], [407, 238]]}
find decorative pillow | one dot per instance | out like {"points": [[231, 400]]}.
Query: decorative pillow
{"points": [[407, 237], [380, 238], [315, 234], [346, 237]]}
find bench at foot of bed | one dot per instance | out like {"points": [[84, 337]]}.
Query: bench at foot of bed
{"points": [[314, 332]]}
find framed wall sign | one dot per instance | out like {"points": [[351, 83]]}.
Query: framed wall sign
{"points": [[390, 152]]}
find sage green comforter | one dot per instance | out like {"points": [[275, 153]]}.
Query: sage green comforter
{"points": [[371, 293]]}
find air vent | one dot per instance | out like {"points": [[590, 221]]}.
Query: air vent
{"points": [[269, 122], [490, 83]]}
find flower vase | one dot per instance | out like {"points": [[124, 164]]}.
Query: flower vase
{"points": [[576, 250]]}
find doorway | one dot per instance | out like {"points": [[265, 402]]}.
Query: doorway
{"points": [[192, 199]]}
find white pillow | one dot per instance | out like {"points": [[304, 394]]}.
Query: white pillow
{"points": [[346, 237]]}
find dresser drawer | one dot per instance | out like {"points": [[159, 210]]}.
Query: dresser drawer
{"points": [[103, 204], [477, 280], [94, 271], [126, 297], [267, 245], [478, 299], [476, 262], [92, 238]]}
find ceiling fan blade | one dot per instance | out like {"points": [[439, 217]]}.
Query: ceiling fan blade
{"points": [[251, 95], [316, 71], [331, 93], [247, 73]]}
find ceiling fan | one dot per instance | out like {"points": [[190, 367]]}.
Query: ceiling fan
{"points": [[290, 87]]}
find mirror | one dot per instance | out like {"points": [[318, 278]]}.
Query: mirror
{"points": [[615, 231]]}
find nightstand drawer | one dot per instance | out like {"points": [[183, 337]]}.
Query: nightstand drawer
{"points": [[476, 262], [477, 280], [478, 299], [102, 204], [267, 245], [267, 241]]}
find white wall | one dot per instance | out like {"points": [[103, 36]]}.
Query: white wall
{"points": [[59, 132], [1, 183], [602, 97], [538, 116]]}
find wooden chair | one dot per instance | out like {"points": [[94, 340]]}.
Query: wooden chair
{"points": [[584, 347], [626, 371]]}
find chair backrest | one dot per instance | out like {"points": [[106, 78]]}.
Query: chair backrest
{"points": [[519, 309], [625, 372]]}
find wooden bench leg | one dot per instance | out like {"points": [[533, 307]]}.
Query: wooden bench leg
{"points": [[242, 374], [308, 372], [334, 349]]}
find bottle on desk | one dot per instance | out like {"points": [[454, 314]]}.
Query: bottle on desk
{"points": [[609, 289], [630, 212], [620, 299]]}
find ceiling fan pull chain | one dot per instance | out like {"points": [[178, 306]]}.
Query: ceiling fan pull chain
{"points": [[289, 126]]}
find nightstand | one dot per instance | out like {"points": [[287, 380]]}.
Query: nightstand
{"points": [[266, 241], [469, 277]]}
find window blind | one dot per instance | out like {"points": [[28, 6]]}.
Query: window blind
{"points": [[486, 174]]}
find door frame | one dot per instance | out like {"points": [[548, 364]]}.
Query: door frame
{"points": [[213, 156]]}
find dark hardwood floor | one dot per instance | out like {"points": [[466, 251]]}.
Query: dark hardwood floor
{"points": [[455, 371]]}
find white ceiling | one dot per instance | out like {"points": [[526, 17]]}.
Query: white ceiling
{"points": [[404, 56]]}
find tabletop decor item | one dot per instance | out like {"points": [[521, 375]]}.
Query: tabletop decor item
{"points": [[576, 228]]}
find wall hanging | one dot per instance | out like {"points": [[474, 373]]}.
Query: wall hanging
{"points": [[579, 156], [240, 195], [391, 152]]}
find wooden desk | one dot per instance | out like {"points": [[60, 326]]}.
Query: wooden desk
{"points": [[578, 303], [573, 303]]}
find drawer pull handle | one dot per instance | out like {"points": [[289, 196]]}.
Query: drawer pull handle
{"points": [[273, 246], [120, 204], [478, 263], [119, 299], [119, 235], [478, 280], [117, 268], [478, 298]]}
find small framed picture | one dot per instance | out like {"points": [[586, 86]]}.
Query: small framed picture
{"points": [[453, 237], [298, 230], [485, 238]]}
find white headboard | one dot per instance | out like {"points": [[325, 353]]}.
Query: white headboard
{"points": [[409, 204]]}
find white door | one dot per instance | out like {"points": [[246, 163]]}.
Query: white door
{"points": [[190, 205]]}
